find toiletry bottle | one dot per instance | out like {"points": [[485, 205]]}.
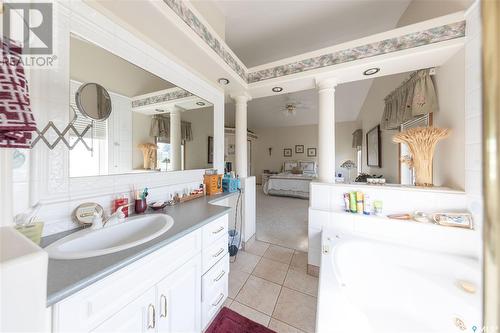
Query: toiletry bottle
{"points": [[377, 207], [346, 202], [367, 205], [359, 202], [352, 201]]}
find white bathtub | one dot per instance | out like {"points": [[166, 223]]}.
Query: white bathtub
{"points": [[375, 286]]}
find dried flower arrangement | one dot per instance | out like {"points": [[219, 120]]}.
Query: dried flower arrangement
{"points": [[421, 142]]}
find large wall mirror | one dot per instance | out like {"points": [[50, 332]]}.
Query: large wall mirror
{"points": [[153, 125]]}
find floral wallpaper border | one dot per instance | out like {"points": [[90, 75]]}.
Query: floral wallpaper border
{"points": [[168, 96], [201, 30], [416, 39]]}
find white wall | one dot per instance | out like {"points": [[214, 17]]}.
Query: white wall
{"points": [[343, 145], [202, 125], [280, 138], [449, 158], [473, 115], [370, 116], [141, 124]]}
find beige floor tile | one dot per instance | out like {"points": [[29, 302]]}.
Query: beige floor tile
{"points": [[244, 262], [227, 302], [250, 313], [256, 247], [299, 261], [271, 270], [236, 280], [296, 309], [279, 253], [299, 280], [259, 294], [281, 327]]}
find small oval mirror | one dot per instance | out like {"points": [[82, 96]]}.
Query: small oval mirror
{"points": [[93, 101]]}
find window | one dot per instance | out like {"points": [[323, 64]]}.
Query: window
{"points": [[163, 156], [83, 162], [359, 160]]}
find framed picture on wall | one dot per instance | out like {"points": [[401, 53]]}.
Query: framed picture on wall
{"points": [[299, 149], [231, 149], [287, 152], [210, 150], [311, 152], [373, 148]]}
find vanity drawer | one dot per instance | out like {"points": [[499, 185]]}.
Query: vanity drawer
{"points": [[213, 253], [213, 303], [215, 277], [214, 230]]}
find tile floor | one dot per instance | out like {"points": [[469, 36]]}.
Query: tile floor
{"points": [[269, 284], [282, 220]]}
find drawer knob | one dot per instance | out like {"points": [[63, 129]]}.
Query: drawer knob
{"points": [[218, 230], [219, 276], [221, 297], [218, 253]]}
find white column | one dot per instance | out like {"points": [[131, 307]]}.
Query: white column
{"points": [[326, 130], [175, 139], [241, 134]]}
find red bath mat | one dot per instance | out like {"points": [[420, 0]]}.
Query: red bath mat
{"points": [[228, 321]]}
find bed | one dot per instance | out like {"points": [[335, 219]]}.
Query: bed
{"points": [[293, 181]]}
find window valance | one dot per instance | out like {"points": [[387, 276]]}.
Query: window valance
{"points": [[416, 96], [160, 128]]}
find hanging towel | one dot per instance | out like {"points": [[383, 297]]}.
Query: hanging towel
{"points": [[17, 123]]}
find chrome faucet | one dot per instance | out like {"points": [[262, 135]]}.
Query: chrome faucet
{"points": [[98, 223], [117, 215]]}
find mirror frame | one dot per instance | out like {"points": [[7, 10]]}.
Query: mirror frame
{"points": [[49, 169]]}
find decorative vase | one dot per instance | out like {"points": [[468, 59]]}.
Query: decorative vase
{"points": [[421, 142]]}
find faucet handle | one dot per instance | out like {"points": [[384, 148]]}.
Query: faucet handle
{"points": [[119, 210]]}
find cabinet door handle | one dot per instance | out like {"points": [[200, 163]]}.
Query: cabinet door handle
{"points": [[218, 230], [151, 309], [221, 297], [219, 276], [218, 253], [163, 302]]}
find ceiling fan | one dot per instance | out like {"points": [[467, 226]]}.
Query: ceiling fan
{"points": [[290, 108]]}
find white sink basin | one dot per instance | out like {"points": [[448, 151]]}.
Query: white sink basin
{"points": [[91, 243]]}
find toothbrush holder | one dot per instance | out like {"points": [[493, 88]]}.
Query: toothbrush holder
{"points": [[140, 206]]}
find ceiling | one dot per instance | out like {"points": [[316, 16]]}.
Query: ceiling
{"points": [[260, 32], [91, 63], [266, 112]]}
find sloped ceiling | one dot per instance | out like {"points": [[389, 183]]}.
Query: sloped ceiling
{"points": [[266, 112]]}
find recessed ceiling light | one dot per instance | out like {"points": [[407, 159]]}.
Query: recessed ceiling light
{"points": [[200, 103], [371, 71], [223, 81], [277, 89]]}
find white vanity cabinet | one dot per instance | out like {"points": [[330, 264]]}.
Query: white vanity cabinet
{"points": [[215, 259], [161, 292]]}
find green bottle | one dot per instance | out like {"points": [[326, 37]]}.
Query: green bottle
{"points": [[352, 201]]}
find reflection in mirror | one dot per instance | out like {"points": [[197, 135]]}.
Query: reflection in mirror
{"points": [[93, 101], [154, 125], [372, 111]]}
